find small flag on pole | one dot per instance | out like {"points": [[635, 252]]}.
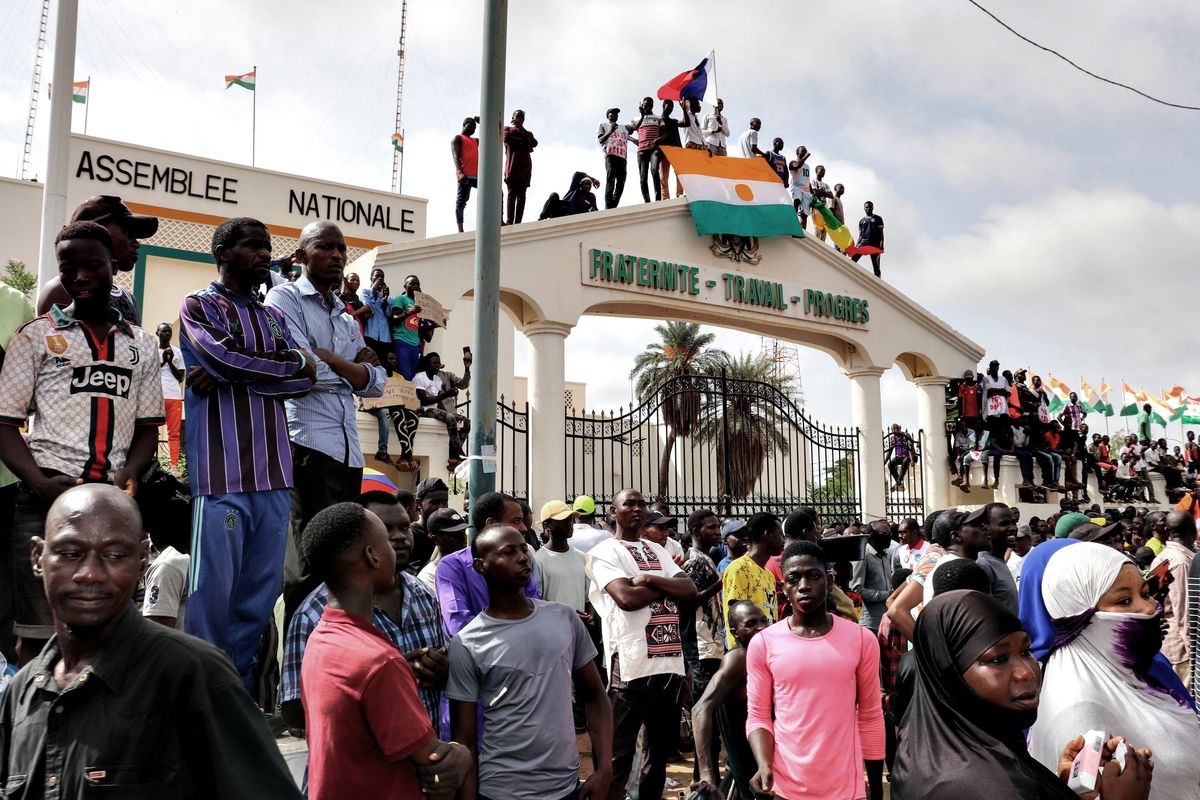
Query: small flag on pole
{"points": [[245, 81], [79, 91], [398, 142]]}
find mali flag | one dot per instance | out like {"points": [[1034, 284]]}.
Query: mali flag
{"points": [[836, 231], [739, 196]]}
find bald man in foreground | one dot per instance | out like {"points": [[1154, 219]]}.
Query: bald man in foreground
{"points": [[115, 701]]}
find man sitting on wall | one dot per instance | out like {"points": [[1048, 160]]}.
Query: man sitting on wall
{"points": [[438, 390]]}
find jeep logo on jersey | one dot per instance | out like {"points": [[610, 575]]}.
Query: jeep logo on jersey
{"points": [[101, 379]]}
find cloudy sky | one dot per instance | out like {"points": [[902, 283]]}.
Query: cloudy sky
{"points": [[1050, 217]]}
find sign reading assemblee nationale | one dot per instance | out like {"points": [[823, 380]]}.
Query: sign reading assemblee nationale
{"points": [[712, 286], [173, 179]]}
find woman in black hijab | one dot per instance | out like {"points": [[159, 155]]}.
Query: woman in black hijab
{"points": [[977, 692]]}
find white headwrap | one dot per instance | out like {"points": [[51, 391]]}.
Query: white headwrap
{"points": [[1090, 681]]}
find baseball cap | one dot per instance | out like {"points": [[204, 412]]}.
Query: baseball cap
{"points": [[584, 504], [1096, 533], [613, 111], [660, 519], [1067, 523], [732, 526], [555, 509], [109, 208], [1024, 532], [431, 485], [446, 520], [976, 518]]}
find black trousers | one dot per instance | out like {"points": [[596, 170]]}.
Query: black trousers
{"points": [[614, 185], [464, 194], [318, 482], [874, 262], [653, 702], [648, 166]]}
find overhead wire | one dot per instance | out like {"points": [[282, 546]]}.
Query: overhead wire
{"points": [[1085, 71]]}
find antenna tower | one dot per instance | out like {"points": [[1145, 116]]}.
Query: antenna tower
{"points": [[785, 366], [35, 89], [397, 155]]}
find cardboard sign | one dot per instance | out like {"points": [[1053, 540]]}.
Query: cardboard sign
{"points": [[396, 392], [431, 309]]}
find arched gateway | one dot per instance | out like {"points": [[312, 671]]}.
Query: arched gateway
{"points": [[647, 261]]}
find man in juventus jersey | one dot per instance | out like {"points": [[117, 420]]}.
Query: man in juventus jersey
{"points": [[93, 379]]}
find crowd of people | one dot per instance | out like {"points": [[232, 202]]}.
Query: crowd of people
{"points": [[1001, 413], [649, 132], [422, 652]]}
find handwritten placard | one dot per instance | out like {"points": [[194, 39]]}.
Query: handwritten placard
{"points": [[398, 391], [431, 309]]}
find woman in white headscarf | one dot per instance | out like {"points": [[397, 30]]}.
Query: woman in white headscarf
{"points": [[1098, 673]]}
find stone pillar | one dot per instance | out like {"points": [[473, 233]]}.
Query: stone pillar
{"points": [[935, 469], [547, 418], [868, 417]]}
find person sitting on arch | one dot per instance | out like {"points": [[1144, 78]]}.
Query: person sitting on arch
{"points": [[579, 199]]}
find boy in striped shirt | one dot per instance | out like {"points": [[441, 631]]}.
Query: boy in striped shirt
{"points": [[242, 362]]}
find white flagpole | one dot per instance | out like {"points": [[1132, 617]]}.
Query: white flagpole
{"points": [[54, 196], [87, 103], [253, 113]]}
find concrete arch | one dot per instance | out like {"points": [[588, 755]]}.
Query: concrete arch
{"points": [[915, 365]]}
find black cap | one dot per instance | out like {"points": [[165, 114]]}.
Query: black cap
{"points": [[660, 519], [976, 518], [108, 208], [446, 520], [431, 485], [1100, 534], [613, 111]]}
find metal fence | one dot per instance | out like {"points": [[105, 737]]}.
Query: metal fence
{"points": [[709, 441], [512, 445]]}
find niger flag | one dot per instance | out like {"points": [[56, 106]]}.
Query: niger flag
{"points": [[740, 196]]}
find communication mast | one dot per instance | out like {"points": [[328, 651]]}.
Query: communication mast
{"points": [[398, 155], [36, 89], [785, 366]]}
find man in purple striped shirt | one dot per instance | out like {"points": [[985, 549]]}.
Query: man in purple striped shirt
{"points": [[242, 362]]}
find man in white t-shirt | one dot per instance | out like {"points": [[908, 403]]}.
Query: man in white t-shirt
{"points": [[613, 138], [716, 129], [748, 141], [165, 598], [587, 533], [635, 588], [438, 390], [171, 364], [562, 570]]}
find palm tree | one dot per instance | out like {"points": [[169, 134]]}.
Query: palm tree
{"points": [[746, 423], [683, 350]]}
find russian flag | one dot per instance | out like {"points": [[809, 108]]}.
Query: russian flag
{"points": [[700, 83]]}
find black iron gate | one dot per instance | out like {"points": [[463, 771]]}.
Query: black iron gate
{"points": [[512, 446], [708, 441], [906, 496]]}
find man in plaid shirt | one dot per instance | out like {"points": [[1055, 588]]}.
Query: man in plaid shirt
{"points": [[408, 617]]}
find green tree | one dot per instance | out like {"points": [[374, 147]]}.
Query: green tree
{"points": [[682, 350], [19, 278], [746, 422]]}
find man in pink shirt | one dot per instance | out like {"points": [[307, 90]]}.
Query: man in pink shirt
{"points": [[813, 710]]}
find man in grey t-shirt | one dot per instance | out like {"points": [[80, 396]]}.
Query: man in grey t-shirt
{"points": [[517, 658], [1002, 531]]}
